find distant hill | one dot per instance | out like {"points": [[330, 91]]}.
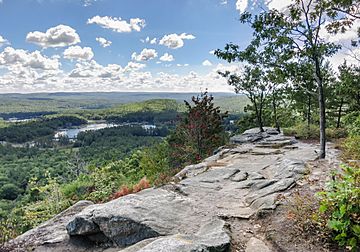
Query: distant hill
{"points": [[72, 102]]}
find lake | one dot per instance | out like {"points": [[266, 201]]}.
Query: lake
{"points": [[72, 133]]}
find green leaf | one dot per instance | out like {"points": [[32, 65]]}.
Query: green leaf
{"points": [[352, 242], [340, 236], [342, 210], [335, 224], [356, 229], [322, 208]]}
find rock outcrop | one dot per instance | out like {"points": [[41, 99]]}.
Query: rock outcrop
{"points": [[51, 235], [189, 215]]}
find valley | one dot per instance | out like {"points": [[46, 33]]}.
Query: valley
{"points": [[55, 148]]}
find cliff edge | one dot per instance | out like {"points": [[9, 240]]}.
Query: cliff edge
{"points": [[191, 214]]}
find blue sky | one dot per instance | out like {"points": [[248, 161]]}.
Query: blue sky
{"points": [[118, 45]]}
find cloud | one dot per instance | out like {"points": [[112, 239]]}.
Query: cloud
{"points": [[206, 63], [149, 40], [167, 57], [91, 69], [89, 2], [33, 72], [145, 55], [78, 53], [59, 36], [117, 24], [241, 5], [11, 57], [279, 5], [223, 2], [103, 42], [3, 41], [175, 41], [134, 66]]}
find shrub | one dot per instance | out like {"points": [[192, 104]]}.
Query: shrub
{"points": [[341, 204], [351, 150], [303, 131], [336, 133], [125, 190], [154, 161], [352, 123], [199, 133], [9, 191], [9, 229], [79, 188]]}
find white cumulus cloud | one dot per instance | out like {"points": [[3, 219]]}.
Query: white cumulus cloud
{"points": [[103, 42], [59, 36], [241, 5], [145, 55], [167, 57], [174, 40], [91, 69], [78, 53], [153, 41], [117, 24], [134, 66], [279, 5], [11, 57], [206, 63]]}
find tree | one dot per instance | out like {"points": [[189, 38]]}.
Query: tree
{"points": [[349, 81], [199, 133], [249, 82], [295, 34], [343, 14], [9, 191]]}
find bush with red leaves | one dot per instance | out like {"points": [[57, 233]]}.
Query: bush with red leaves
{"points": [[125, 190]]}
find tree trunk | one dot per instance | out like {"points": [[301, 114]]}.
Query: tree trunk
{"points": [[258, 112], [322, 111], [339, 114], [277, 125], [309, 112]]}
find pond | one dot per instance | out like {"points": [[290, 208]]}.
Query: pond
{"points": [[72, 133]]}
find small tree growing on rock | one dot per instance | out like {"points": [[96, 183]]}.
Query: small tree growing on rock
{"points": [[199, 133]]}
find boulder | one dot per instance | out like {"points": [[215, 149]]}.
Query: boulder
{"points": [[51, 235], [211, 237]]}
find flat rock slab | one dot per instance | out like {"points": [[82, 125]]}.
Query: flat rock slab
{"points": [[189, 215]]}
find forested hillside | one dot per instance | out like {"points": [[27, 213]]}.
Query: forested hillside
{"points": [[41, 175]]}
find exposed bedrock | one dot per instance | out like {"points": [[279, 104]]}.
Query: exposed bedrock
{"points": [[190, 215]]}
